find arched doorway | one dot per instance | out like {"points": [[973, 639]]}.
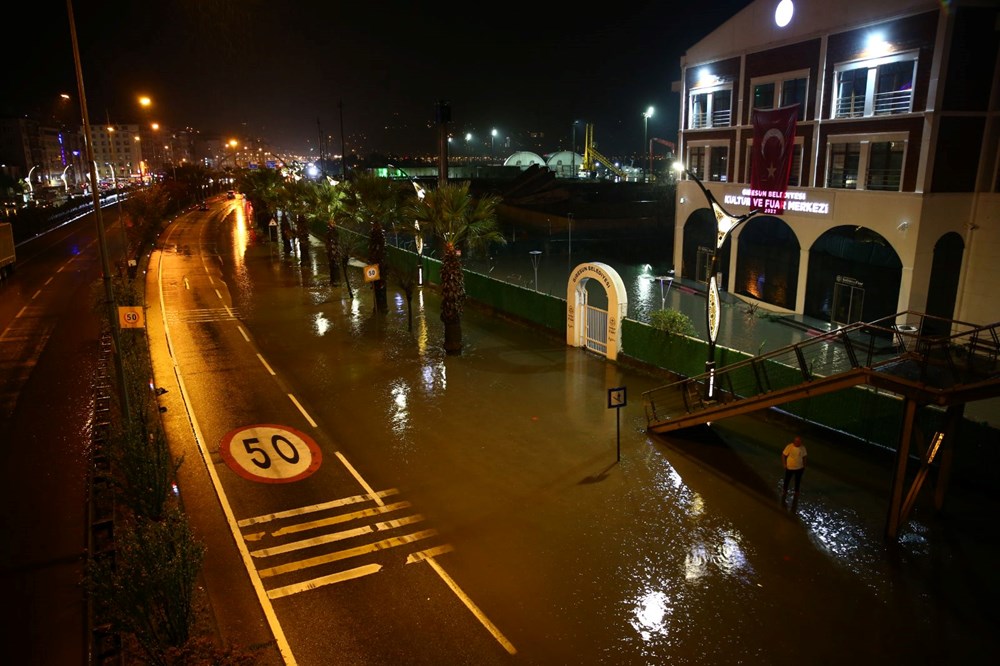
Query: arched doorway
{"points": [[590, 327], [767, 266], [854, 275], [943, 288], [699, 246]]}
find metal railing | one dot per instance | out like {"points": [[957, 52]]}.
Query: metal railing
{"points": [[902, 351]]}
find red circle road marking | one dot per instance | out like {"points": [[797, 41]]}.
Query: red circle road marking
{"points": [[270, 453]]}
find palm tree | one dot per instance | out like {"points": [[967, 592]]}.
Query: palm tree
{"points": [[453, 215], [262, 187], [376, 202]]}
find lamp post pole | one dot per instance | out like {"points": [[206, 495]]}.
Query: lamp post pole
{"points": [[493, 139], [645, 137], [725, 224]]}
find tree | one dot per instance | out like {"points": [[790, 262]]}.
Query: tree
{"points": [[375, 202], [453, 216], [263, 188]]}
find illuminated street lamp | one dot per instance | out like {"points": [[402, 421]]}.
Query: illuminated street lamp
{"points": [[645, 136], [493, 138], [725, 224]]}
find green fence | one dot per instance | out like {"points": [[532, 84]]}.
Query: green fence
{"points": [[870, 415]]}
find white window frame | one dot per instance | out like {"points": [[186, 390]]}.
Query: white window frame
{"points": [[779, 81], [872, 65], [865, 141], [709, 146], [710, 112]]}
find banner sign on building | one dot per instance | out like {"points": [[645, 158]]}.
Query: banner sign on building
{"points": [[771, 158]]}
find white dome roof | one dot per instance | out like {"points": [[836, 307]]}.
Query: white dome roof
{"points": [[564, 158], [524, 159]]}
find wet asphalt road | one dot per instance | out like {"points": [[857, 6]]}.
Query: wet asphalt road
{"points": [[678, 553]]}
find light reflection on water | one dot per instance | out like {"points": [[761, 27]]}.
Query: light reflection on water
{"points": [[320, 324]]}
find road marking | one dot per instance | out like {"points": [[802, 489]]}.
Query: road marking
{"points": [[507, 645], [336, 536], [269, 453], [364, 484], [340, 577], [218, 294], [391, 542], [210, 280], [47, 282], [36, 294], [268, 368], [301, 409], [228, 311], [313, 508], [343, 518], [243, 333], [187, 285], [21, 312]]}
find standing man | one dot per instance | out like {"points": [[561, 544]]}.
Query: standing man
{"points": [[794, 460]]}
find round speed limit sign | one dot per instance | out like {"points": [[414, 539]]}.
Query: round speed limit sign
{"points": [[270, 453]]}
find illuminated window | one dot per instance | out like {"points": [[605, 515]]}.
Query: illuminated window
{"points": [[879, 87], [869, 163], [709, 160], [843, 162], [710, 107], [781, 90]]}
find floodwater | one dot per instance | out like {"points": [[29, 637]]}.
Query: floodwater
{"points": [[587, 540]]}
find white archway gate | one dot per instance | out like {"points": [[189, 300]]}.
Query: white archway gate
{"points": [[590, 327]]}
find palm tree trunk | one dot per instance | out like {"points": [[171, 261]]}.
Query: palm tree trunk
{"points": [[453, 337]]}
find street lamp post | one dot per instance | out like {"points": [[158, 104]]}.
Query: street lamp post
{"points": [[573, 148], [645, 137], [536, 256], [725, 224], [493, 139]]}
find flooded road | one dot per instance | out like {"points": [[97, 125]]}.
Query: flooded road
{"points": [[679, 553]]}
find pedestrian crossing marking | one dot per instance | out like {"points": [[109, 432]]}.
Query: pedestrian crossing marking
{"points": [[312, 508], [336, 536], [315, 524], [391, 542]]}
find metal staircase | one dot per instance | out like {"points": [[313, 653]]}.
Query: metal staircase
{"points": [[896, 354]]}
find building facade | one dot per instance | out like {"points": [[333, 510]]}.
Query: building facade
{"points": [[893, 201]]}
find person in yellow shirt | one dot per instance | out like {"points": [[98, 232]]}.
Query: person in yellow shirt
{"points": [[794, 460]]}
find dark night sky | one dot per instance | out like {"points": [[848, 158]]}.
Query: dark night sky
{"points": [[272, 68]]}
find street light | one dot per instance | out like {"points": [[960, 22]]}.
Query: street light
{"points": [[493, 138], [645, 137], [725, 224], [536, 256], [573, 149]]}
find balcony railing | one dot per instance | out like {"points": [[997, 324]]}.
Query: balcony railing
{"points": [[896, 101], [884, 179], [722, 118], [851, 106]]}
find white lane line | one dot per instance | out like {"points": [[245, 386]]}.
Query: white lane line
{"points": [[422, 555], [187, 285], [243, 333], [507, 645], [218, 294], [346, 554], [342, 518], [210, 280], [265, 603], [228, 311], [47, 282], [313, 508], [21, 312], [336, 536], [267, 366], [332, 579], [304, 412], [364, 484], [36, 294]]}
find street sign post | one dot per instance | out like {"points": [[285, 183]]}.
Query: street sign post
{"points": [[616, 400]]}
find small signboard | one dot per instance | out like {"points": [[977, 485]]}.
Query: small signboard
{"points": [[131, 316], [371, 273], [616, 398]]}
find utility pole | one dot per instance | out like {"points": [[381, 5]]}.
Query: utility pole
{"points": [[343, 142], [109, 295]]}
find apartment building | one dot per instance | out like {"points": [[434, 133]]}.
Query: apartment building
{"points": [[893, 197]]}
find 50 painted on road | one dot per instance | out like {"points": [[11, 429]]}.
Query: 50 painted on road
{"points": [[270, 453]]}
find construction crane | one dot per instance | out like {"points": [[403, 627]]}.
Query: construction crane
{"points": [[591, 156], [663, 142]]}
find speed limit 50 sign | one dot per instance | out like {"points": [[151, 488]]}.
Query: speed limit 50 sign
{"points": [[270, 453], [131, 316]]}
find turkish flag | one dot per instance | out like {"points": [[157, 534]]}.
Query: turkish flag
{"points": [[771, 158]]}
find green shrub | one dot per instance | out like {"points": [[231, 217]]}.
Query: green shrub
{"points": [[672, 322]]}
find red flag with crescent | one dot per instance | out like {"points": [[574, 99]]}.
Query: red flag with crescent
{"points": [[771, 157]]}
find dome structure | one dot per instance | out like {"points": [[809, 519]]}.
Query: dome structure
{"points": [[565, 163], [524, 159]]}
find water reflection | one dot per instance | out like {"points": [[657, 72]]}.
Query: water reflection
{"points": [[321, 324], [398, 409]]}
